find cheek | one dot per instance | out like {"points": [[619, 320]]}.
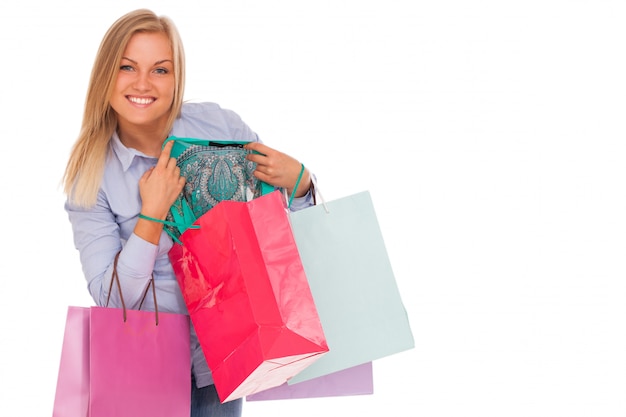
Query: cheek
{"points": [[170, 87], [121, 80], [167, 91], [117, 95]]}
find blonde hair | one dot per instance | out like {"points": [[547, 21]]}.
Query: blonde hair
{"points": [[83, 174]]}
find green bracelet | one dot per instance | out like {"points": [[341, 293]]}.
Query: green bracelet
{"points": [[152, 219], [295, 188]]}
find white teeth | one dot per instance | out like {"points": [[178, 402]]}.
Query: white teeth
{"points": [[139, 100]]}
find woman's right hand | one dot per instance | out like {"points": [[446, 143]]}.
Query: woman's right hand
{"points": [[158, 187]]}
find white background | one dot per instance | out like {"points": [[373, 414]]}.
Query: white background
{"points": [[489, 133]]}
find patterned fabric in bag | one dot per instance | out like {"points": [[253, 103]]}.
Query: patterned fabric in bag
{"points": [[215, 171]]}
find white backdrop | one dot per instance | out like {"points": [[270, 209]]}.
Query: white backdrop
{"points": [[489, 133]]}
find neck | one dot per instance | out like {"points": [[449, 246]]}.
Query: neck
{"points": [[145, 140]]}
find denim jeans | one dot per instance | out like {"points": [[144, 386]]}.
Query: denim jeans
{"points": [[206, 403]]}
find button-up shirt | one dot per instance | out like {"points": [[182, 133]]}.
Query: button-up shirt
{"points": [[101, 231]]}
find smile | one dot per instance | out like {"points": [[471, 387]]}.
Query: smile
{"points": [[141, 100]]}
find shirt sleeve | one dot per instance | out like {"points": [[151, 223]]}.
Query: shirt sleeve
{"points": [[97, 239]]}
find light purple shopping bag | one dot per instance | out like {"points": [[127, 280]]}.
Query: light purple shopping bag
{"points": [[357, 380]]}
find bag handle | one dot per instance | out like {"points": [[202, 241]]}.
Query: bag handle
{"points": [[315, 191], [208, 142], [295, 187], [180, 224], [115, 277]]}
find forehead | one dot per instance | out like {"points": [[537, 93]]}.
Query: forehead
{"points": [[149, 45]]}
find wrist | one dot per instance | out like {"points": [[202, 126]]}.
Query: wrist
{"points": [[149, 228]]}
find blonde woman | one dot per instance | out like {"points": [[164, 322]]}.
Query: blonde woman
{"points": [[118, 169]]}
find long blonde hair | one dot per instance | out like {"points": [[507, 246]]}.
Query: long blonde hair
{"points": [[83, 174]]}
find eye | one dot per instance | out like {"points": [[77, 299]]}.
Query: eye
{"points": [[126, 68], [162, 71]]}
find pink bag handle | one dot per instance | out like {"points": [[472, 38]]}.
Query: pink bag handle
{"points": [[116, 278]]}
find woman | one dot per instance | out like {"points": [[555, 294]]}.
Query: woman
{"points": [[119, 169]]}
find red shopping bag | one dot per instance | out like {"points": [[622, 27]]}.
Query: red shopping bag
{"points": [[124, 363], [248, 296]]}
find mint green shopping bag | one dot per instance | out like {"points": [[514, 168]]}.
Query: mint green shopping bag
{"points": [[352, 282]]}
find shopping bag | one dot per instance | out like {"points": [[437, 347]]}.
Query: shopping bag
{"points": [[214, 171], [124, 363], [72, 391], [353, 284], [248, 296], [358, 380]]}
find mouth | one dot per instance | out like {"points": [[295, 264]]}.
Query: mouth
{"points": [[141, 100]]}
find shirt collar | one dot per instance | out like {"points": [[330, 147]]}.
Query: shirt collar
{"points": [[125, 155]]}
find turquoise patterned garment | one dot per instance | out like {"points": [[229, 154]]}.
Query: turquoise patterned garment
{"points": [[214, 171]]}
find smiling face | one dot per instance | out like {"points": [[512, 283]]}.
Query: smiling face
{"points": [[144, 89]]}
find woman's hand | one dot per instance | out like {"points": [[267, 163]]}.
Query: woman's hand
{"points": [[158, 188], [278, 169]]}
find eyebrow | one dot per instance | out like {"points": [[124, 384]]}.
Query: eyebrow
{"points": [[156, 63]]}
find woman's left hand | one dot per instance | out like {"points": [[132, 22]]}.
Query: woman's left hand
{"points": [[278, 169]]}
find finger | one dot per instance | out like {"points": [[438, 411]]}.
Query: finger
{"points": [[256, 158], [261, 176], [144, 178], [147, 174], [258, 147], [164, 158]]}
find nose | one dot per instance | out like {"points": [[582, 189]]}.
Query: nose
{"points": [[142, 81]]}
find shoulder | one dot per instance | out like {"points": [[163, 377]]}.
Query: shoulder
{"points": [[209, 112], [196, 108], [210, 121]]}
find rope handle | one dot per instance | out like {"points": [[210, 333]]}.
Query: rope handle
{"points": [[180, 226], [115, 277], [167, 222], [295, 187], [315, 192]]}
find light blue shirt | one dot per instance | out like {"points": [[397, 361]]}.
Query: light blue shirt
{"points": [[102, 231]]}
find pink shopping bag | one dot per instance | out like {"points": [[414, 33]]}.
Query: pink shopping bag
{"points": [[72, 392], [124, 363]]}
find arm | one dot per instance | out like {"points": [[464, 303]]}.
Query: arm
{"points": [[97, 236], [111, 225]]}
